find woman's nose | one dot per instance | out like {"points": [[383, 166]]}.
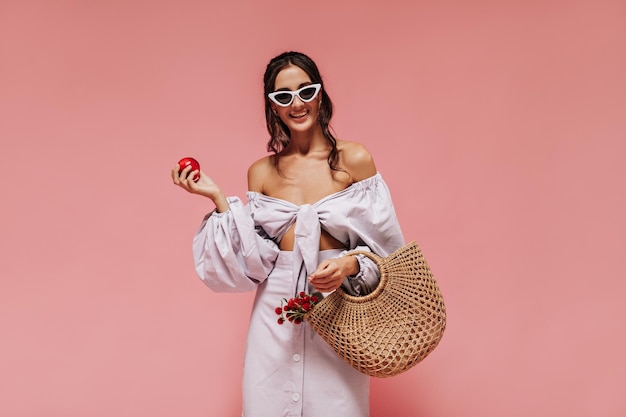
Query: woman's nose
{"points": [[296, 101]]}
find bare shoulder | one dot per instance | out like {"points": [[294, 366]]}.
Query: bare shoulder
{"points": [[356, 159], [258, 173]]}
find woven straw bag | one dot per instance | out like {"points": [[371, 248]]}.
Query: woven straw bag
{"points": [[390, 330]]}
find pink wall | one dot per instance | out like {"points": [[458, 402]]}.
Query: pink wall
{"points": [[499, 126]]}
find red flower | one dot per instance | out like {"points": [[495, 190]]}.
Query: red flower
{"points": [[294, 309]]}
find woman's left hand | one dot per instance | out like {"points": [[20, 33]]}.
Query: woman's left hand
{"points": [[331, 273]]}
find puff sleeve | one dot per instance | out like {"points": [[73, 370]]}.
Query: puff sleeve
{"points": [[230, 253]]}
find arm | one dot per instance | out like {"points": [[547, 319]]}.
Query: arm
{"points": [[356, 274], [367, 277], [228, 252], [205, 186]]}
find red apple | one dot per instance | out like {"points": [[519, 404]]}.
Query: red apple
{"points": [[185, 162]]}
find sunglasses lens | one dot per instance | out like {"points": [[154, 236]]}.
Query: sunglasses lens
{"points": [[283, 98], [307, 93]]}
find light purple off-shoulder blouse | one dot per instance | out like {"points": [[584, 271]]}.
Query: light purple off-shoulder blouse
{"points": [[235, 250]]}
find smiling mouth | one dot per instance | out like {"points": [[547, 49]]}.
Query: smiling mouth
{"points": [[299, 115]]}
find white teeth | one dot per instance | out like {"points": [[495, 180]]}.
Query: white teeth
{"points": [[298, 115]]}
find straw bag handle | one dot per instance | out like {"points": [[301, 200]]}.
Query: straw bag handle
{"points": [[380, 263]]}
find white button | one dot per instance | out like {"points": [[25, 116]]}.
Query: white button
{"points": [[296, 358], [295, 396]]}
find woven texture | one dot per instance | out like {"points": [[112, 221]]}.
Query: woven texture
{"points": [[391, 329]]}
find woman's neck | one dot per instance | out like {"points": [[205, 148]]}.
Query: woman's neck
{"points": [[306, 142]]}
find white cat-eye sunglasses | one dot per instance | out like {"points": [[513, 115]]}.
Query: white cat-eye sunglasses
{"points": [[284, 98]]}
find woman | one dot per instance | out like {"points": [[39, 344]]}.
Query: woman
{"points": [[309, 202]]}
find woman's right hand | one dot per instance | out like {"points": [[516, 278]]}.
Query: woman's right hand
{"points": [[205, 186]]}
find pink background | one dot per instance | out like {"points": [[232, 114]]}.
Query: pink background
{"points": [[499, 127]]}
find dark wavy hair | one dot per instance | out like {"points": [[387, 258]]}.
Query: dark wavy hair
{"points": [[279, 132]]}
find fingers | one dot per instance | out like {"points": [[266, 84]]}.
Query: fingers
{"points": [[175, 174], [184, 178], [203, 185], [332, 284], [322, 270], [327, 277], [184, 174]]}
